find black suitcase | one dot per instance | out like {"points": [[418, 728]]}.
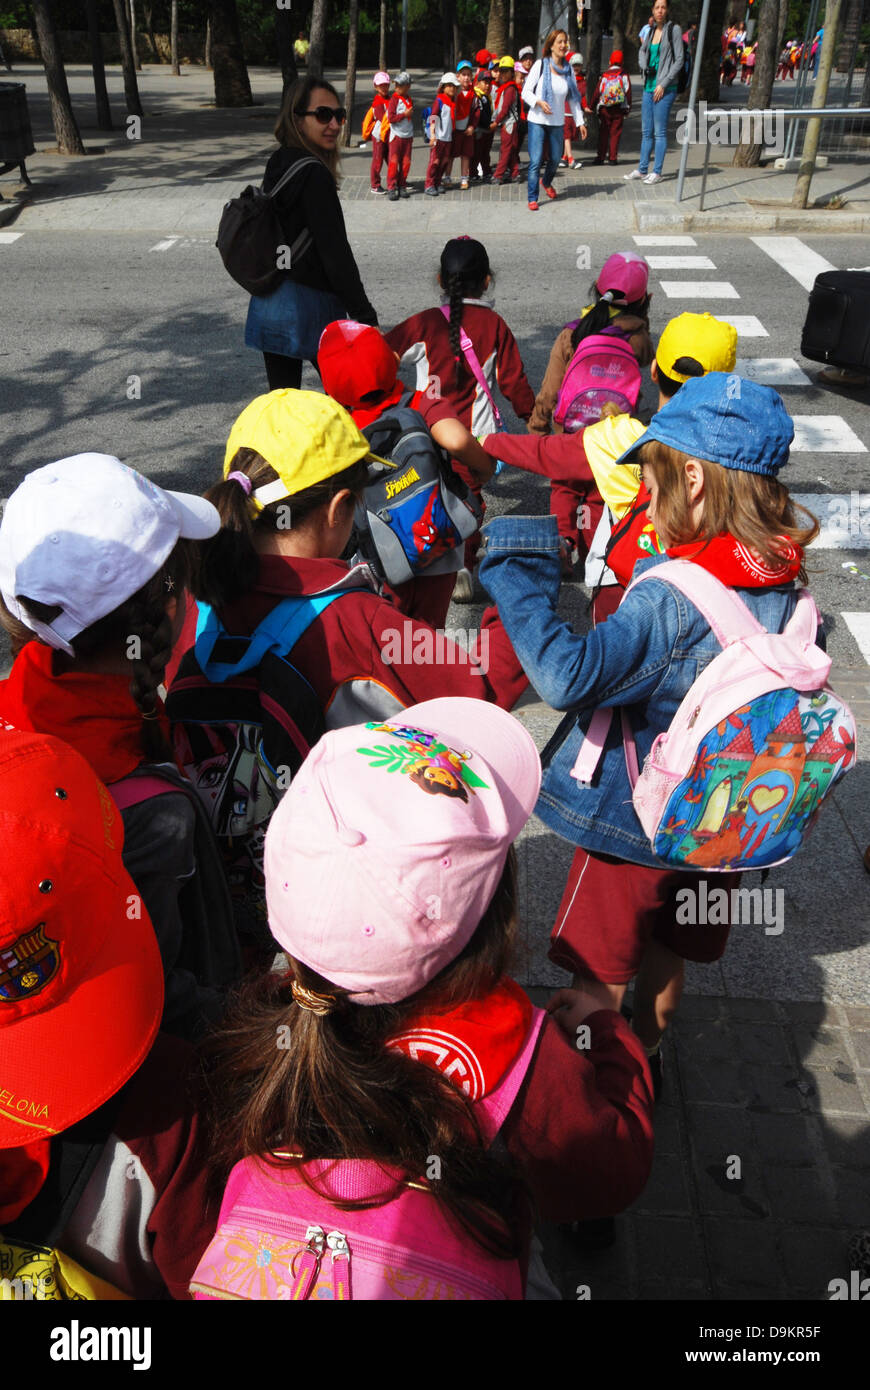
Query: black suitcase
{"points": [[837, 327]]}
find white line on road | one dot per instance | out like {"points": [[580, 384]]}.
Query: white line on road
{"points": [[698, 289], [6, 237], [825, 434], [680, 263], [165, 245], [799, 261], [772, 371], [664, 241], [859, 626], [746, 324], [845, 522]]}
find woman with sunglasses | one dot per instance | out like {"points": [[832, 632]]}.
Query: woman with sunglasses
{"points": [[322, 282]]}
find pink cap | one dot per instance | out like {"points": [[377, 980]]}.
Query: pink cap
{"points": [[387, 849], [380, 78], [627, 274]]}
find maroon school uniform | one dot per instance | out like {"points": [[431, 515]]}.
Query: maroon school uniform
{"points": [[399, 112], [506, 119], [379, 145], [611, 118]]}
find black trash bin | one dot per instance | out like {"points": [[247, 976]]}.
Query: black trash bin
{"points": [[16, 137]]}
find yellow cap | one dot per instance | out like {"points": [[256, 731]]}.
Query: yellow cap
{"points": [[304, 435], [712, 344]]}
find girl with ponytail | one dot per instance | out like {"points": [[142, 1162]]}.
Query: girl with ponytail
{"points": [[94, 564], [466, 376]]}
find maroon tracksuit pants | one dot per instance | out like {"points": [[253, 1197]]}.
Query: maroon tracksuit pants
{"points": [[378, 155], [610, 122], [439, 160], [482, 146], [509, 153], [400, 161]]}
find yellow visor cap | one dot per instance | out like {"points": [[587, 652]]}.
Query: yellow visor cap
{"points": [[712, 344], [306, 437]]}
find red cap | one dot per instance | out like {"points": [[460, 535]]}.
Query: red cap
{"points": [[482, 57], [616, 58], [354, 360], [81, 980]]}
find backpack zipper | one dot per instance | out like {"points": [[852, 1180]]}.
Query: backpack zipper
{"points": [[306, 1265]]}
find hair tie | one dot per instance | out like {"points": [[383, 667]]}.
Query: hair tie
{"points": [[319, 1004], [242, 479], [608, 295]]}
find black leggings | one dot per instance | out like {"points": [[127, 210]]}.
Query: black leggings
{"points": [[283, 371]]}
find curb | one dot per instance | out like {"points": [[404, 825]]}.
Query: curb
{"points": [[717, 220]]}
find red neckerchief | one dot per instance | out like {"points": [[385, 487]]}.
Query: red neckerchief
{"points": [[94, 713], [23, 1170], [462, 103], [364, 414], [475, 1044], [736, 565]]}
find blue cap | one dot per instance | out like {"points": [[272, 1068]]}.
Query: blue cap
{"points": [[725, 419], [464, 64]]}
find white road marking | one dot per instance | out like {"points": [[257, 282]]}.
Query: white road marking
{"points": [[698, 289], [664, 241], [772, 371], [844, 518], [746, 324], [825, 434], [680, 263], [859, 626], [165, 245], [799, 261], [6, 237]]}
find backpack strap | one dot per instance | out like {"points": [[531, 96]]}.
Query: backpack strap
{"points": [[304, 240], [129, 791], [494, 1109], [279, 631], [477, 371], [726, 613]]}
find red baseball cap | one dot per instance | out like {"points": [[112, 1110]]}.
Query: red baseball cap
{"points": [[81, 980], [354, 360], [616, 58]]}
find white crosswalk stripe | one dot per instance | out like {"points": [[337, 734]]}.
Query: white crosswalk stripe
{"points": [[825, 434], [7, 237], [698, 289], [680, 263], [772, 371], [859, 626], [844, 521], [165, 245], [664, 241], [747, 325], [789, 252]]}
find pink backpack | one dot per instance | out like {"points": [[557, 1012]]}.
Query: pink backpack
{"points": [[759, 740], [603, 369], [278, 1239]]}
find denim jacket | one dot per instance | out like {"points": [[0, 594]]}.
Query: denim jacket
{"points": [[645, 657]]}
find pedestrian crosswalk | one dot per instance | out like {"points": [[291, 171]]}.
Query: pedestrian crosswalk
{"points": [[6, 238]]}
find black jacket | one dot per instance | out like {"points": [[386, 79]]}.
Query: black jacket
{"points": [[311, 199]]}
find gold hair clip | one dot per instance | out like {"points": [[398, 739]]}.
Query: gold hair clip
{"points": [[319, 1004]]}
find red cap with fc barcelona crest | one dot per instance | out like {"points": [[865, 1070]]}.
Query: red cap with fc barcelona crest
{"points": [[81, 981]]}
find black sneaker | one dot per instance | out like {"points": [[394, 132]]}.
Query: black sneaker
{"points": [[393, 195], [404, 192]]}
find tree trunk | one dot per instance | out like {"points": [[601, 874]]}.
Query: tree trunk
{"points": [[206, 57], [232, 85], [497, 28], [148, 13], [593, 42], [131, 86], [711, 58], [173, 39], [617, 22], [350, 74], [448, 32], [748, 154], [780, 25], [382, 40], [286, 55], [572, 26], [104, 111], [69, 141], [636, 16], [133, 42], [317, 37], [512, 27], [833, 13]]}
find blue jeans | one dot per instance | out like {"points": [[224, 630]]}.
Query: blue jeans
{"points": [[654, 117], [551, 137]]}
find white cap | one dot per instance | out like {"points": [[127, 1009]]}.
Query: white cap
{"points": [[523, 51], [85, 534], [403, 79], [449, 77]]}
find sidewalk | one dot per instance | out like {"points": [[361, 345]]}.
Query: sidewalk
{"points": [[192, 158]]}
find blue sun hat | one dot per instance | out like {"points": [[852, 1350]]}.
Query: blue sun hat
{"points": [[463, 64], [726, 419]]}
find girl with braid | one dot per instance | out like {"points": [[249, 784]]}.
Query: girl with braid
{"points": [[461, 352], [94, 564]]}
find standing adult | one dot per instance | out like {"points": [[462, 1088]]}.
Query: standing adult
{"points": [[322, 282], [661, 60], [549, 87]]}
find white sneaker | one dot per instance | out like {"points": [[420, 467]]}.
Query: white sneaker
{"points": [[653, 178], [463, 591], [635, 174]]}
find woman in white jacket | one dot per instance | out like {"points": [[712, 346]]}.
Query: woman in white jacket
{"points": [[547, 89]]}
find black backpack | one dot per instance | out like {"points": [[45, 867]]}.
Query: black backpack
{"points": [[415, 514], [250, 235], [837, 327]]}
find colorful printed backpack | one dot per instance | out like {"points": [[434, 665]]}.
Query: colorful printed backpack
{"points": [[612, 92], [279, 1239], [603, 369], [753, 750]]}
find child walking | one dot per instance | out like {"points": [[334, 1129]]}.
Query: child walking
{"points": [[401, 121], [613, 104], [441, 139], [94, 564], [399, 939], [466, 375], [379, 128], [506, 120], [710, 460]]}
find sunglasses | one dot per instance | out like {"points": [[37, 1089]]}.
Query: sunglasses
{"points": [[324, 114]]}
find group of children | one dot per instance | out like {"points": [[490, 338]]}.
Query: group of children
{"points": [[393, 1030], [471, 106]]}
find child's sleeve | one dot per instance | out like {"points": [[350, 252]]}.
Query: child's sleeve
{"points": [[581, 1128], [545, 403], [392, 107], [559, 457], [510, 373]]}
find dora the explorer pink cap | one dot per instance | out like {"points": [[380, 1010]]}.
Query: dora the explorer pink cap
{"points": [[626, 274], [388, 847]]}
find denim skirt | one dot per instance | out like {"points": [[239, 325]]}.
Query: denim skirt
{"points": [[290, 320]]}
